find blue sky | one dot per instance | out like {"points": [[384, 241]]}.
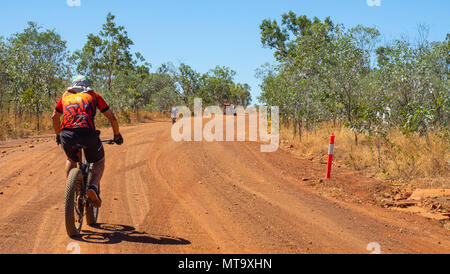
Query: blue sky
{"points": [[206, 33]]}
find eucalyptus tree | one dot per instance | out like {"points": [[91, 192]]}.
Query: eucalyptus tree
{"points": [[3, 72], [350, 58], [37, 69], [300, 46], [189, 82], [105, 55]]}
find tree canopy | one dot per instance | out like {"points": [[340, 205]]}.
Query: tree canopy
{"points": [[325, 72], [36, 67]]}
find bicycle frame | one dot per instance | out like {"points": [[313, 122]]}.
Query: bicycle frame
{"points": [[85, 168], [77, 203]]}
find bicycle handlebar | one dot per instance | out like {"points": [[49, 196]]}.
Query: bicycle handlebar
{"points": [[109, 142]]}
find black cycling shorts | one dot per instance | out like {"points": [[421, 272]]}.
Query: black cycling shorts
{"points": [[87, 138]]}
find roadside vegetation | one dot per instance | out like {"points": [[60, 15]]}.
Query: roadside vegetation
{"points": [[36, 67], [388, 102]]}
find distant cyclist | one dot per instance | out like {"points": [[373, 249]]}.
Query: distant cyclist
{"points": [[78, 106], [174, 114]]}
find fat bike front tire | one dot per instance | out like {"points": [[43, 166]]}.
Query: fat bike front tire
{"points": [[73, 210]]}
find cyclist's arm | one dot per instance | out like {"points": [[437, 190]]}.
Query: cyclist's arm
{"points": [[104, 108], [56, 122], [112, 119], [57, 112]]}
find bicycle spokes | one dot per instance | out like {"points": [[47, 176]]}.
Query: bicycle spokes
{"points": [[79, 205]]}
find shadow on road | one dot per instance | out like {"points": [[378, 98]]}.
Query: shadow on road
{"points": [[114, 234]]}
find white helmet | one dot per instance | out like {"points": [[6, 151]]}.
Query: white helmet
{"points": [[80, 83]]}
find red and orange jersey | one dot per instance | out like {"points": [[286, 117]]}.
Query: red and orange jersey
{"points": [[79, 109]]}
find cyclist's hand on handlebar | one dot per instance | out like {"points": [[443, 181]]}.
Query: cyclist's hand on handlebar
{"points": [[58, 140], [118, 139]]}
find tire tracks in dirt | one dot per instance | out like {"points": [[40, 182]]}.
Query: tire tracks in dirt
{"points": [[160, 196]]}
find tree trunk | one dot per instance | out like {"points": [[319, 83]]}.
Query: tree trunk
{"points": [[37, 118], [137, 114], [300, 129], [295, 127], [379, 150], [1, 99]]}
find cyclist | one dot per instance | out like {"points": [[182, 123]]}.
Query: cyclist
{"points": [[78, 106], [174, 114]]}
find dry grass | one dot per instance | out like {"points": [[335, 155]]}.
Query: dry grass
{"points": [[25, 126], [13, 127], [423, 161]]}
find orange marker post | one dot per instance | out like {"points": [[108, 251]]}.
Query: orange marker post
{"points": [[330, 156]]}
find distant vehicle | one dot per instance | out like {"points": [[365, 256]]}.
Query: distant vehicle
{"points": [[229, 109]]}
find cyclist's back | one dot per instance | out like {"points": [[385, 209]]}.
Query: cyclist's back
{"points": [[78, 106]]}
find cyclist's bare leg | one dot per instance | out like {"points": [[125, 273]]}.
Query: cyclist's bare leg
{"points": [[94, 180], [69, 165], [97, 172]]}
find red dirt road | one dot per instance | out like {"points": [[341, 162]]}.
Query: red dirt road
{"points": [[160, 196]]}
